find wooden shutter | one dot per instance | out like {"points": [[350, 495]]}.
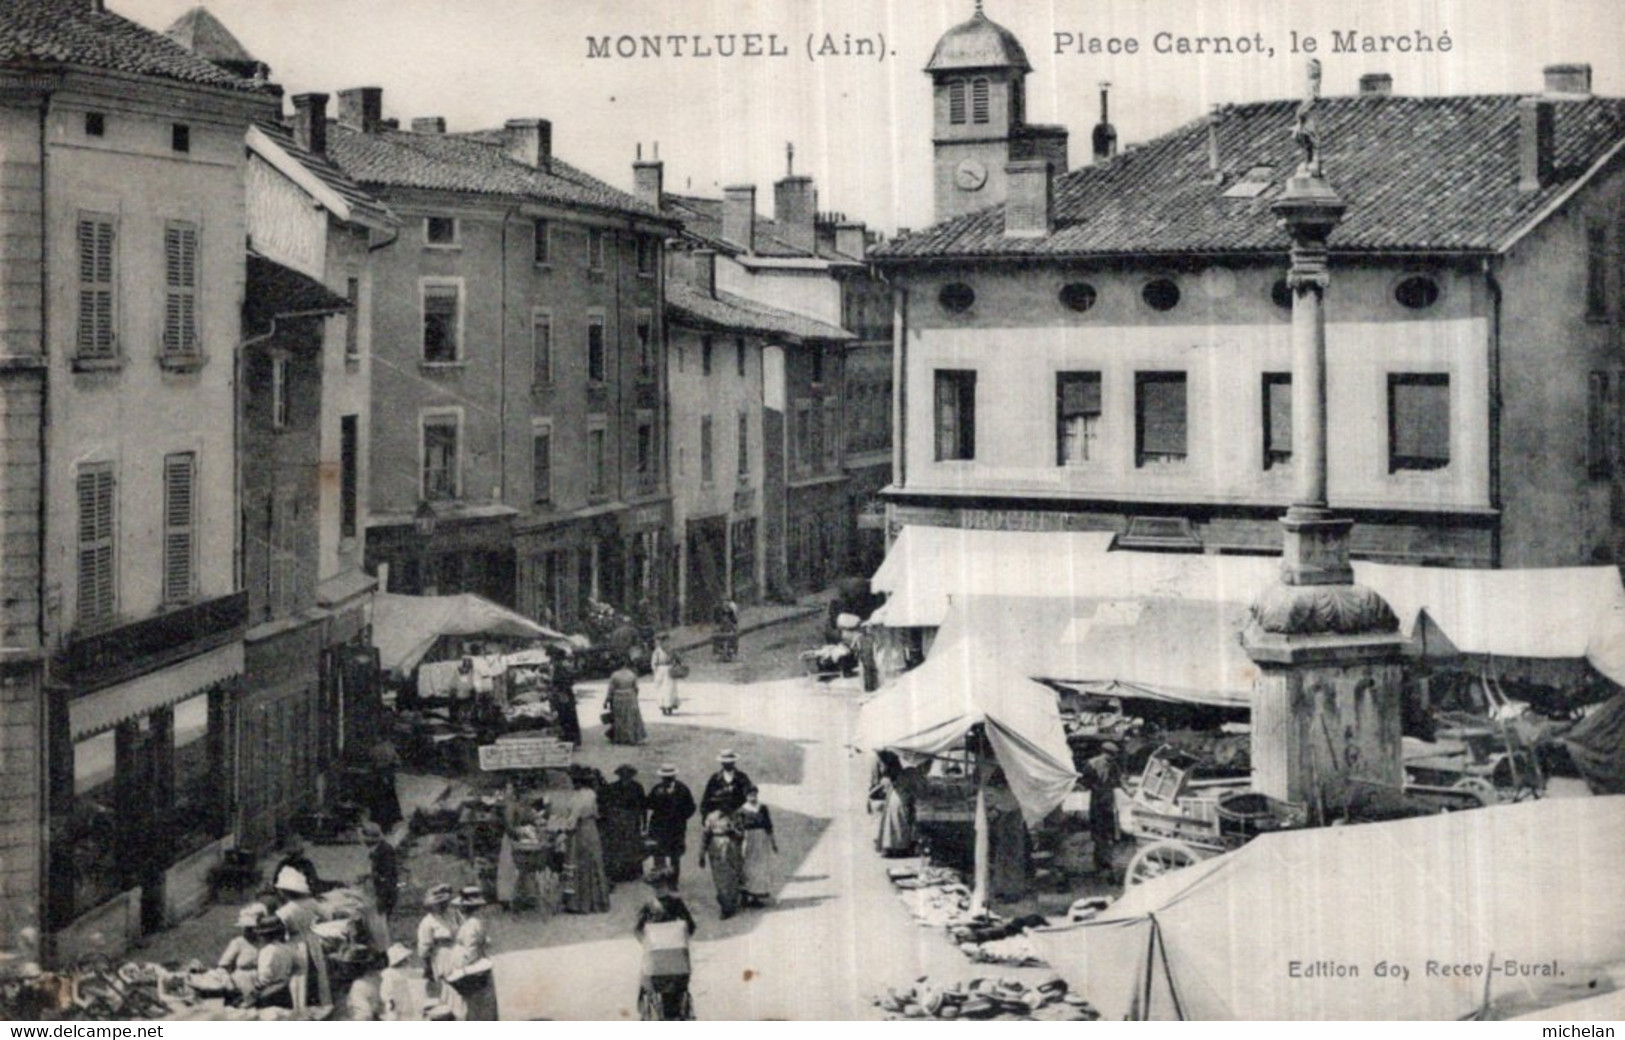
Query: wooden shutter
{"points": [[541, 335], [956, 101], [96, 239], [440, 323], [541, 464], [1419, 420], [96, 562], [349, 474], [1162, 414], [1079, 394], [978, 100], [1597, 418], [1278, 414], [832, 431], [180, 504], [744, 444], [707, 463], [180, 295]]}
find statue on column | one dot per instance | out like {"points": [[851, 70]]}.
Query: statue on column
{"points": [[1306, 132]]}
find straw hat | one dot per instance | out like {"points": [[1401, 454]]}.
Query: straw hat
{"points": [[291, 880], [248, 917], [439, 895], [470, 897], [398, 954], [668, 770], [728, 757]]}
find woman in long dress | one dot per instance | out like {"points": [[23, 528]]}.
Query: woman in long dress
{"points": [[589, 891], [622, 808], [759, 848], [625, 716], [665, 682], [300, 913], [722, 853], [437, 932], [470, 975], [901, 787]]}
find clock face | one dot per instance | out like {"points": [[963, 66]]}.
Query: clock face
{"points": [[970, 175]]}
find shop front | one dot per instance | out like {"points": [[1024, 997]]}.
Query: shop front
{"points": [[444, 550], [646, 534]]}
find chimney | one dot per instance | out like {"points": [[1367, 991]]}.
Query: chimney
{"points": [[98, 7], [649, 178], [1376, 84], [851, 239], [530, 141], [1105, 136], [389, 124], [310, 122], [1215, 165], [1535, 117], [1568, 79], [1029, 206], [361, 108], [795, 210], [739, 216], [429, 125], [704, 271]]}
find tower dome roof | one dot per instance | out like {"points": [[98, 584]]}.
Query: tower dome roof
{"points": [[979, 43]]}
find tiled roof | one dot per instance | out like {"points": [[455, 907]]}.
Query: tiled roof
{"points": [[327, 172], [70, 32], [474, 163], [1418, 174], [203, 34], [702, 219], [274, 289], [979, 43], [687, 305]]}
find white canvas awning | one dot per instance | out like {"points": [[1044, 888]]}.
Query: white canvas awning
{"points": [[404, 628]]}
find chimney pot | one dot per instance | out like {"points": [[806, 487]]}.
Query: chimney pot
{"points": [[310, 122], [530, 141], [739, 216], [429, 125], [362, 108], [1029, 208], [1104, 139], [1376, 84], [703, 265], [795, 211], [851, 239], [648, 180], [1535, 122], [1568, 79]]}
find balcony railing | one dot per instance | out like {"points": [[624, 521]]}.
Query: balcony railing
{"points": [[111, 655]]}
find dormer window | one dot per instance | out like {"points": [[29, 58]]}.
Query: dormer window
{"points": [[1253, 183]]}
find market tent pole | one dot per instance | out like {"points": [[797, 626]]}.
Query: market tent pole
{"points": [[978, 899]]}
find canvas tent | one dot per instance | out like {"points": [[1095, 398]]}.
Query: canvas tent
{"points": [[404, 628], [1283, 928]]}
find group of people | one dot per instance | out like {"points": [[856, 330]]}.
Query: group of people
{"points": [[454, 946]]}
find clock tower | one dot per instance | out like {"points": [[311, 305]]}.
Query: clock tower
{"points": [[979, 119]]}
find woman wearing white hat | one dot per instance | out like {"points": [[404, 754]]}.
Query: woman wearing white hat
{"points": [[241, 956], [436, 934], [400, 1004], [301, 913], [470, 988]]}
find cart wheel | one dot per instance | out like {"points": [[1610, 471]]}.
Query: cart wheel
{"points": [[1159, 858], [1481, 788]]}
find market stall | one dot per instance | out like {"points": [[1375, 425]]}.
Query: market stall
{"points": [[406, 628]]}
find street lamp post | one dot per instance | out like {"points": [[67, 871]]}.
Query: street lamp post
{"points": [[424, 522]]}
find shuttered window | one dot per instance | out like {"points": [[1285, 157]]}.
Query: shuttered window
{"points": [[742, 444], [707, 463], [1077, 404], [440, 457], [955, 414], [1599, 414], [541, 462], [598, 457], [97, 584], [832, 432], [646, 344], [1159, 418], [956, 101], [349, 474], [1277, 418], [441, 323], [596, 362], [180, 508], [978, 100], [1418, 421], [180, 290], [352, 318], [1597, 271], [541, 345], [96, 245]]}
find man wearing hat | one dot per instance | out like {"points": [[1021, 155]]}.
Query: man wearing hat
{"points": [[436, 934], [1101, 778], [725, 791], [671, 806]]}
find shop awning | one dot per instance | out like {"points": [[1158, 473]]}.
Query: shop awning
{"points": [[404, 628], [1284, 927], [930, 709], [106, 708]]}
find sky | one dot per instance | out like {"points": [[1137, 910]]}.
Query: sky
{"points": [[861, 123]]}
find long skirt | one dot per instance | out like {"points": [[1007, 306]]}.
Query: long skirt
{"points": [[727, 865], [478, 995], [758, 864], [666, 689], [627, 718], [623, 844], [896, 825], [588, 891]]}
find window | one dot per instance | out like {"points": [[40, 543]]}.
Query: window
{"points": [[1078, 296], [180, 478], [95, 823], [97, 580], [352, 319], [440, 231], [707, 464], [598, 457], [541, 461], [180, 290], [705, 355], [280, 396], [817, 365], [956, 101], [349, 474], [739, 356], [1418, 421], [596, 362], [180, 138], [744, 559], [978, 100], [1159, 418], [956, 297], [541, 348], [742, 446], [1077, 417], [95, 124], [803, 436], [646, 255], [542, 249], [646, 451], [96, 338], [1597, 433], [1596, 271], [955, 414], [442, 322], [1417, 292], [646, 345], [1161, 294], [1277, 419], [1281, 294], [815, 443], [832, 432], [440, 457], [595, 248]]}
